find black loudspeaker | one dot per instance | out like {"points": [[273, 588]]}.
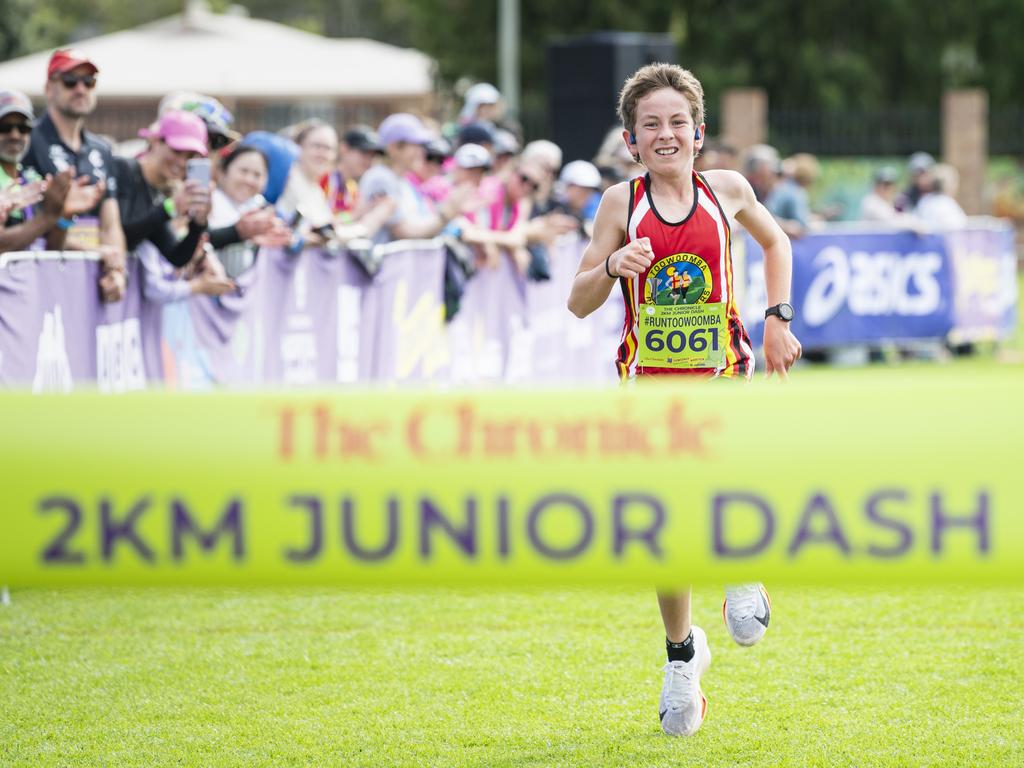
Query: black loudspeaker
{"points": [[585, 75]]}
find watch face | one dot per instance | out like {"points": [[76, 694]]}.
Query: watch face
{"points": [[786, 311]]}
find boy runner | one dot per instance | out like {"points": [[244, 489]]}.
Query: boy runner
{"points": [[674, 221]]}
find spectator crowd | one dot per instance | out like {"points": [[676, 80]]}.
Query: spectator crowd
{"points": [[207, 198]]}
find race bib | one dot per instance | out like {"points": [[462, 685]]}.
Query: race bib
{"points": [[683, 336]]}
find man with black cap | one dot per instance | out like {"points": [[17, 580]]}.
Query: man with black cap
{"points": [[60, 143], [26, 225], [919, 168], [476, 133], [877, 205]]}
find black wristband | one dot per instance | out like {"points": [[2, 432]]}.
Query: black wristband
{"points": [[608, 271]]}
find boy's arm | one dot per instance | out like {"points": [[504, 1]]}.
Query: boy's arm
{"points": [[606, 254], [781, 348]]}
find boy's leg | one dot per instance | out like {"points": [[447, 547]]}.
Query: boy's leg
{"points": [[675, 614], [682, 705]]}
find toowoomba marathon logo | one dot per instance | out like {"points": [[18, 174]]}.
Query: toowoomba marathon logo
{"points": [[683, 278]]}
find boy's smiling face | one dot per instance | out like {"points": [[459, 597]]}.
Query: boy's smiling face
{"points": [[665, 131]]}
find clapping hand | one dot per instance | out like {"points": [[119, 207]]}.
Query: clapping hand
{"points": [[82, 196]]}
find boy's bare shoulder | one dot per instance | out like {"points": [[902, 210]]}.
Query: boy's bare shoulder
{"points": [[614, 205], [728, 183], [616, 195], [732, 190]]}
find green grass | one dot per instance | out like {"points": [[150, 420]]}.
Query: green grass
{"points": [[468, 678]]}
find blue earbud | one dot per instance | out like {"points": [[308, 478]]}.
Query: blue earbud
{"points": [[632, 138], [696, 134]]}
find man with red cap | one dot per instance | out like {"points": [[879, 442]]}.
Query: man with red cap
{"points": [[60, 143]]}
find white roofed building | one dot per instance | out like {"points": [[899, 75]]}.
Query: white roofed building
{"points": [[268, 74]]}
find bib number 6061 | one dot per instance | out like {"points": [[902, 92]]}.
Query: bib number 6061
{"points": [[677, 341]]}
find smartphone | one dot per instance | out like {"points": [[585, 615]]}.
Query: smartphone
{"points": [[198, 169], [255, 203]]}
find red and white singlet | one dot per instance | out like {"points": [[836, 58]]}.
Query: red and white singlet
{"points": [[692, 266]]}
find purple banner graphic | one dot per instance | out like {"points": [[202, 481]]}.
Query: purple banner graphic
{"points": [[490, 322], [985, 282], [296, 321], [403, 317], [304, 297], [57, 335]]}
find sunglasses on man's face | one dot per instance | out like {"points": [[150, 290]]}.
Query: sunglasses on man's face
{"points": [[531, 183], [23, 128], [70, 81]]}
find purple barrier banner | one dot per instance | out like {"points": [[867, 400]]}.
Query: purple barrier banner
{"points": [[316, 318], [296, 320], [403, 316], [858, 288], [563, 348], [311, 316], [56, 334], [491, 321], [217, 341], [509, 330]]}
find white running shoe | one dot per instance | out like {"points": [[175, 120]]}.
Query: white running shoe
{"points": [[747, 610], [683, 705]]}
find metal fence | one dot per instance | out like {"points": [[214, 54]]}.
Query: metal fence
{"points": [[1006, 131], [897, 131], [889, 132]]}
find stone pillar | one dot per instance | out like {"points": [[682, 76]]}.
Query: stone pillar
{"points": [[965, 143], [744, 117]]}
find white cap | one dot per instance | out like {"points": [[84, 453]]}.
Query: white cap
{"points": [[472, 156], [920, 161], [505, 143], [544, 153], [582, 174], [481, 93]]}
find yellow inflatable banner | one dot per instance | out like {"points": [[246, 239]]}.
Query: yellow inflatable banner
{"points": [[882, 478]]}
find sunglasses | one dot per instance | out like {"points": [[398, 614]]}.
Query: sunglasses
{"points": [[70, 81], [23, 128], [531, 183], [219, 141]]}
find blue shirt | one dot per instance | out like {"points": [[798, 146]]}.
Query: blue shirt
{"points": [[788, 200]]}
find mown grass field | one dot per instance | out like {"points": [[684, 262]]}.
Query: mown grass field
{"points": [[90, 677], [430, 677]]}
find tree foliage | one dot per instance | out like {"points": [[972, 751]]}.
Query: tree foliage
{"points": [[828, 54]]}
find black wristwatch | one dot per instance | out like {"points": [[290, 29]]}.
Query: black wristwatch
{"points": [[783, 311]]}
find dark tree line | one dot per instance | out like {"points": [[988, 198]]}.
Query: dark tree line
{"points": [[826, 54]]}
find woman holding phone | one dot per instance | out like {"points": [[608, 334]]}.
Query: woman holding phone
{"points": [[153, 191]]}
